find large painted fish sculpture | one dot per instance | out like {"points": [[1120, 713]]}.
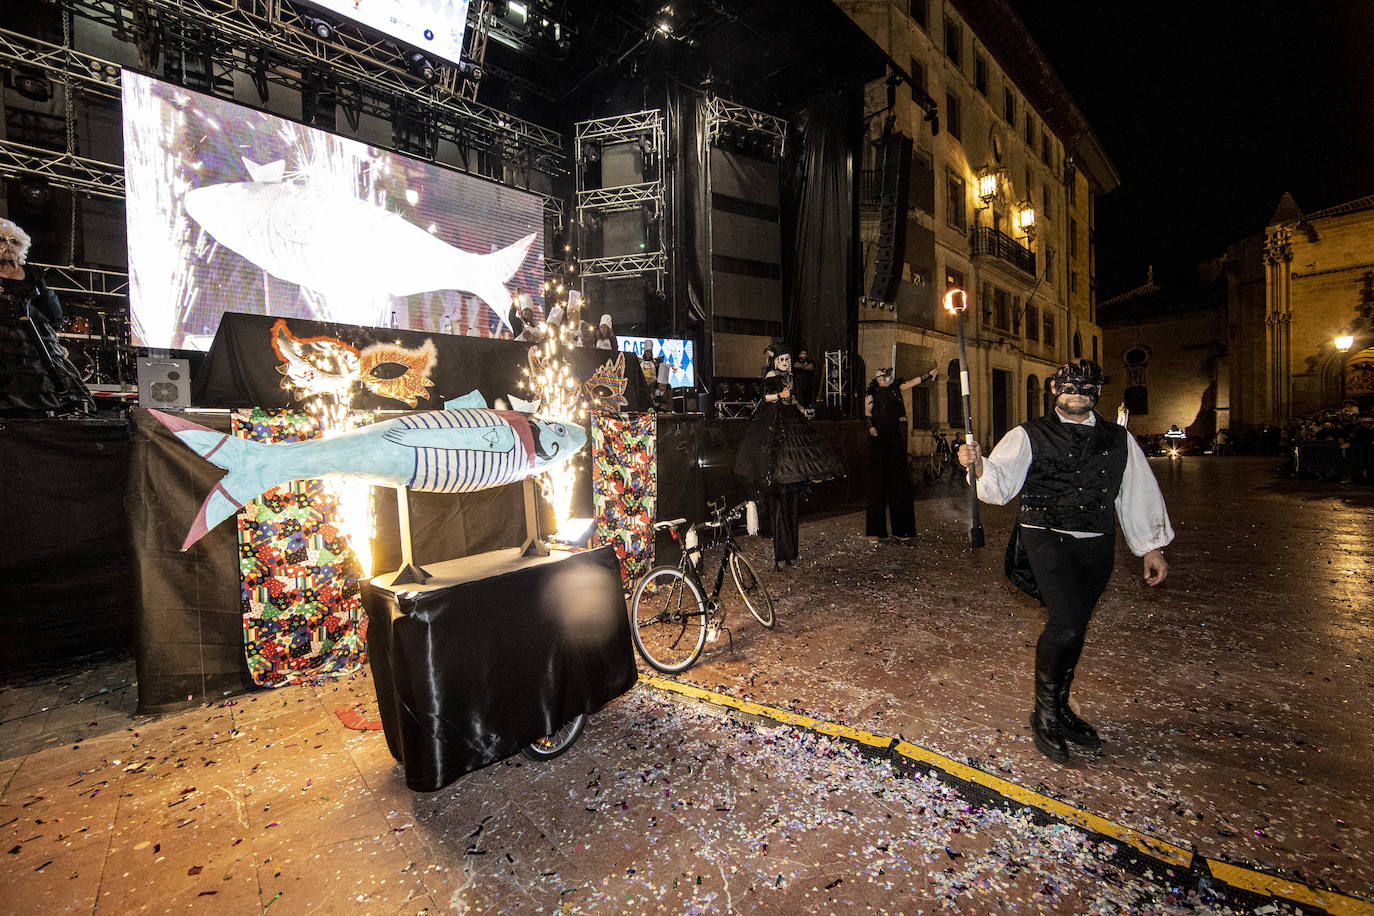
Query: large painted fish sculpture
{"points": [[341, 246], [454, 450]]}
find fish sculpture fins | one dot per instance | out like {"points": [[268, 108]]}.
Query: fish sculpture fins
{"points": [[248, 463], [504, 264], [472, 399], [477, 438]]}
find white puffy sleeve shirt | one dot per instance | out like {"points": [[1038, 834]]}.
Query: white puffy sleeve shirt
{"points": [[1139, 506]]}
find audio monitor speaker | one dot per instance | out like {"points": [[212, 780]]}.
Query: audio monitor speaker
{"points": [[164, 383]]}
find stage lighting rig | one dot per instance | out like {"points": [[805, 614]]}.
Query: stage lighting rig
{"points": [[31, 84], [421, 67], [321, 28]]}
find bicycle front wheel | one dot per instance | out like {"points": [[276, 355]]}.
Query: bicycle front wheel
{"points": [[753, 590], [668, 619]]}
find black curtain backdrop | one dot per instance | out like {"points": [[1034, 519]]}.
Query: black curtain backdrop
{"points": [[64, 566], [820, 225], [695, 148], [241, 368]]}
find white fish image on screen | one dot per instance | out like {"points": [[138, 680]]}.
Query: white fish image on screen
{"points": [[311, 237]]}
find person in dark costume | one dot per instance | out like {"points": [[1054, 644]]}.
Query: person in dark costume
{"points": [[37, 378], [1074, 471], [889, 483], [781, 455]]}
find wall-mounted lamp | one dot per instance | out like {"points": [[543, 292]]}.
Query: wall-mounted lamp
{"points": [[1025, 220], [1345, 342], [987, 185]]}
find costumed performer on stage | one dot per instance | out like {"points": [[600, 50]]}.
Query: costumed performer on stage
{"points": [[889, 481], [781, 455], [37, 379]]}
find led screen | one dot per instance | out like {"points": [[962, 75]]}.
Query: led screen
{"points": [[678, 354], [432, 26], [231, 209]]}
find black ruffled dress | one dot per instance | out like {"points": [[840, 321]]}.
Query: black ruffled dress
{"points": [[780, 454], [37, 378]]}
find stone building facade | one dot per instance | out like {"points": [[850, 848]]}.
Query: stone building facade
{"points": [[1166, 356], [1001, 205], [1307, 280]]}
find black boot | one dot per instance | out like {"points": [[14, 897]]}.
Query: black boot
{"points": [[1074, 728], [1046, 727]]}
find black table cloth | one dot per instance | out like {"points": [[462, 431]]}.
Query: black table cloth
{"points": [[493, 652]]}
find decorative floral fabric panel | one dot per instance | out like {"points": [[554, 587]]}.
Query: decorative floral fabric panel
{"points": [[301, 582], [625, 488]]}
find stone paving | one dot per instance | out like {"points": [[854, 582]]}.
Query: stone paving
{"points": [[1235, 701]]}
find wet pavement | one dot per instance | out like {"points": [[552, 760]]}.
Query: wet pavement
{"points": [[1235, 701]]}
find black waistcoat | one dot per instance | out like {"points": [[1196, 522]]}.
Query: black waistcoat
{"points": [[1074, 475]]}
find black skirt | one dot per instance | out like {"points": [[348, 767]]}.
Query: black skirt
{"points": [[781, 448]]}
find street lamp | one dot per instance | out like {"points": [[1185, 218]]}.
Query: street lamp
{"points": [[1343, 343], [1025, 220]]}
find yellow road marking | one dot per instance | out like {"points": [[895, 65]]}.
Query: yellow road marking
{"points": [[1243, 878]]}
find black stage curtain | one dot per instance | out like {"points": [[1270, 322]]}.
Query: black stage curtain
{"points": [[241, 368], [496, 651], [64, 565], [820, 217], [189, 645]]}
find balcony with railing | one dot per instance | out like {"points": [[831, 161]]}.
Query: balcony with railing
{"points": [[989, 242]]}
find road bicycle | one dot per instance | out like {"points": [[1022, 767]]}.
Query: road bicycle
{"points": [[671, 613], [941, 464]]}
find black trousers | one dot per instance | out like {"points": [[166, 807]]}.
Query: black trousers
{"points": [[784, 508], [1072, 574], [889, 486]]}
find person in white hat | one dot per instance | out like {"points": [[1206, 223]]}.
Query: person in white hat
{"points": [[605, 335]]}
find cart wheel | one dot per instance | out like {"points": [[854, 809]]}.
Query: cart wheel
{"points": [[555, 744]]}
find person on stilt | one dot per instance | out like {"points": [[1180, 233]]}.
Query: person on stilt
{"points": [[889, 480], [1074, 471], [781, 455]]}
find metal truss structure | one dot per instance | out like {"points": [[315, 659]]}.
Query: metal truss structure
{"points": [[270, 42], [85, 72], [645, 128], [626, 197], [87, 176], [837, 387], [85, 281], [722, 116]]}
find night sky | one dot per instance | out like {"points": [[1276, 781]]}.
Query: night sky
{"points": [[1210, 111]]}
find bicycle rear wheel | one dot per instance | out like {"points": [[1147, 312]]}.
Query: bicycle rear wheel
{"points": [[753, 590], [555, 744], [668, 620]]}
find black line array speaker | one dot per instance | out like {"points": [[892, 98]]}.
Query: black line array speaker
{"points": [[894, 175]]}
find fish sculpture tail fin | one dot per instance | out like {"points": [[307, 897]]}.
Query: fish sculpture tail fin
{"points": [[250, 472], [503, 264]]}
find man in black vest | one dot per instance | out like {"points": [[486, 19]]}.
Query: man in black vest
{"points": [[1077, 474]]}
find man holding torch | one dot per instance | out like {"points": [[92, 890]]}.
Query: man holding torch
{"points": [[1074, 471]]}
